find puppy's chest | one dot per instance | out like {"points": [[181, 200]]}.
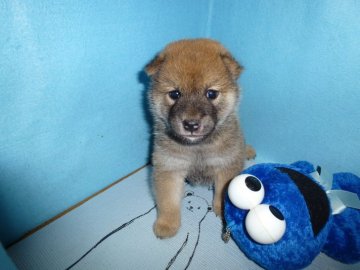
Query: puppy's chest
{"points": [[202, 169]]}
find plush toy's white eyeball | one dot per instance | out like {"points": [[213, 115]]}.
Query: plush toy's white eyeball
{"points": [[265, 224], [246, 191]]}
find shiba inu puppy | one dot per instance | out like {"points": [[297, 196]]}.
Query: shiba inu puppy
{"points": [[197, 136]]}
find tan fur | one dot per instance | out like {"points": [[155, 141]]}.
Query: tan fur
{"points": [[212, 154]]}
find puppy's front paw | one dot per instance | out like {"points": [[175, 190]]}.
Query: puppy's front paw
{"points": [[165, 228]]}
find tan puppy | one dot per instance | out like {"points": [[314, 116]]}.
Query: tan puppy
{"points": [[193, 98]]}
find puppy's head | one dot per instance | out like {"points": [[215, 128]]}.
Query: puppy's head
{"points": [[193, 89]]}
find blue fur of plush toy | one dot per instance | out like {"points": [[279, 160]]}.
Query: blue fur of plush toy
{"points": [[339, 235], [343, 242], [298, 247]]}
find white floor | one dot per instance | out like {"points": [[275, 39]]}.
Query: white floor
{"points": [[120, 221]]}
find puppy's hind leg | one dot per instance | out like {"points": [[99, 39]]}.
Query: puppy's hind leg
{"points": [[223, 177], [169, 189]]}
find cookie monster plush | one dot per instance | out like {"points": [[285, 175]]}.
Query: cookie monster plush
{"points": [[281, 216]]}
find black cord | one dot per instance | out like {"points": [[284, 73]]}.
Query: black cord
{"points": [[109, 234]]}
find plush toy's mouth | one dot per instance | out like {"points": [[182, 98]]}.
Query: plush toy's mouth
{"points": [[315, 198]]}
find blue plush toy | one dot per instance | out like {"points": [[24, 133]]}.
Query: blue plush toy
{"points": [[281, 216]]}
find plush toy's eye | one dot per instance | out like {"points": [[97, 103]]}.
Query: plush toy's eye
{"points": [[246, 191], [265, 224]]}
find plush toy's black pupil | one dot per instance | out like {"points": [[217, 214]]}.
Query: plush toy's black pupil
{"points": [[276, 212], [253, 183]]}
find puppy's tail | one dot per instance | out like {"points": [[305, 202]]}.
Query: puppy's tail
{"points": [[250, 152]]}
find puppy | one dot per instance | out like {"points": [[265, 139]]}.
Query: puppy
{"points": [[193, 98]]}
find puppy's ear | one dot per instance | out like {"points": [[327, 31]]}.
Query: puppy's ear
{"points": [[232, 65], [154, 64]]}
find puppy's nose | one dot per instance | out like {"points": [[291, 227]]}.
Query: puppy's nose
{"points": [[191, 125]]}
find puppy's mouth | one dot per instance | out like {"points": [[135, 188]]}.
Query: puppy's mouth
{"points": [[193, 137], [188, 138]]}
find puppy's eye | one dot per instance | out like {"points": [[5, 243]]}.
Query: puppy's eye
{"points": [[174, 95], [212, 94]]}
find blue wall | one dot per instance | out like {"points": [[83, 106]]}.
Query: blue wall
{"points": [[72, 116], [301, 97], [72, 107]]}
